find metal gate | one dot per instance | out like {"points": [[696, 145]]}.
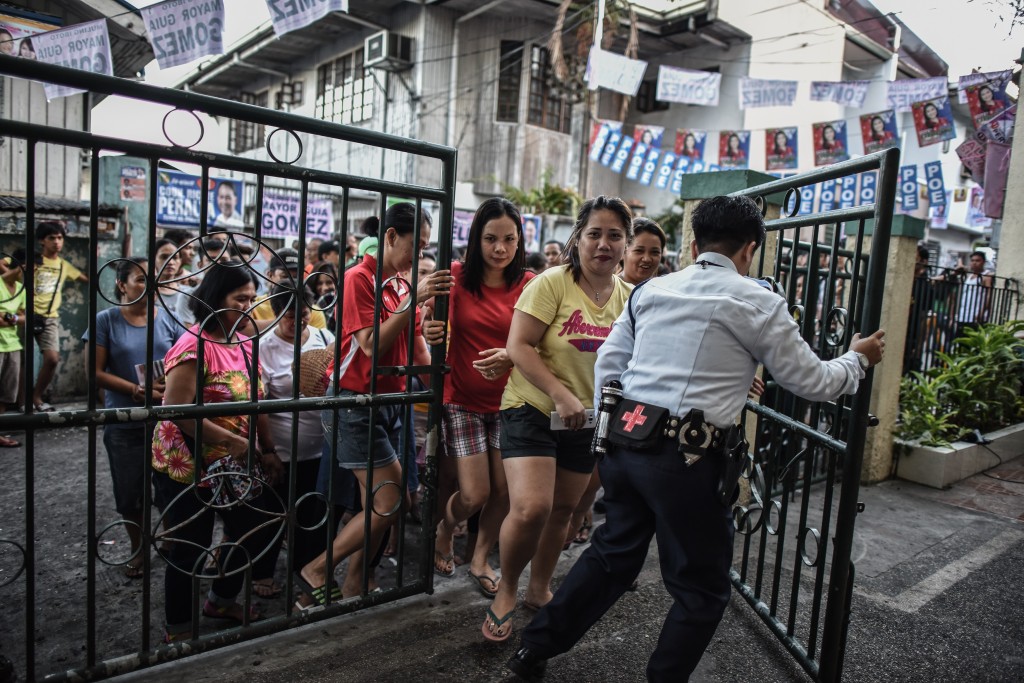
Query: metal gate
{"points": [[31, 539], [805, 464]]}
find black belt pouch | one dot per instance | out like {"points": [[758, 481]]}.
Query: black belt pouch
{"points": [[734, 448], [636, 425]]}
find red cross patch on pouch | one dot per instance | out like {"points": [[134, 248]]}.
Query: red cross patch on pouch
{"points": [[634, 418]]}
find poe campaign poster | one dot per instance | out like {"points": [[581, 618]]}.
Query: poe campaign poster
{"points": [[734, 149], [780, 149], [690, 144], [879, 131], [830, 142], [933, 121], [986, 101]]}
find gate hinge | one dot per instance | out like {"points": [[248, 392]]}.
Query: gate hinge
{"points": [[872, 420]]}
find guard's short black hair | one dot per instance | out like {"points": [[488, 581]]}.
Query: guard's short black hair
{"points": [[726, 224]]}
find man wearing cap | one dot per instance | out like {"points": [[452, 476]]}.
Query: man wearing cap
{"points": [[687, 345], [284, 268]]}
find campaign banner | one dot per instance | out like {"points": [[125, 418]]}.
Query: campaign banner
{"points": [[976, 79], [179, 198], [780, 149], [1000, 127], [807, 193], [599, 136], [665, 170], [182, 31], [829, 142], [615, 72], [83, 46], [734, 149], [649, 135], [133, 183], [758, 92], [827, 198], [688, 87], [16, 35], [650, 166], [879, 131], [986, 101], [622, 154], [997, 166], [938, 215], [846, 93], [611, 146], [972, 156], [908, 187], [690, 143], [282, 214], [846, 189], [698, 166], [933, 121], [868, 188], [676, 186], [461, 222], [976, 217], [903, 93], [636, 162], [289, 15], [934, 182]]}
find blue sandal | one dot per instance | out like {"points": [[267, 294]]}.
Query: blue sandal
{"points": [[498, 623]]}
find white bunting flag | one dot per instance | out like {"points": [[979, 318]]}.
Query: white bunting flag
{"points": [[82, 46], [688, 87], [846, 93], [615, 72], [182, 31], [905, 92], [757, 92], [289, 15]]}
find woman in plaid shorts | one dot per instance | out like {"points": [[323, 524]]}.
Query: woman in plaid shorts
{"points": [[489, 283]]}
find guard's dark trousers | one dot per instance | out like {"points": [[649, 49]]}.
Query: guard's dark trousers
{"points": [[649, 494]]}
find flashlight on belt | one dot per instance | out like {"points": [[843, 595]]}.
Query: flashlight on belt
{"points": [[611, 394]]}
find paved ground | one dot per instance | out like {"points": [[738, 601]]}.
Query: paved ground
{"points": [[936, 598]]}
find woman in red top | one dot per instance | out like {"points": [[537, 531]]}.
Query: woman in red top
{"points": [[489, 284], [353, 441]]}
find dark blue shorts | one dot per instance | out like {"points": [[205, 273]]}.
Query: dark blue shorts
{"points": [[526, 431]]}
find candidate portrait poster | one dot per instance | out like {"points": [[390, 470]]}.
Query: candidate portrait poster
{"points": [[734, 149], [180, 196], [830, 142], [879, 131], [933, 121], [649, 136], [986, 101], [16, 35], [780, 149], [690, 144]]}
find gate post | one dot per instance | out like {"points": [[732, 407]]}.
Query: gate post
{"points": [[885, 390]]}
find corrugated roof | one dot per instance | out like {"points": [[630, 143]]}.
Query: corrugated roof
{"points": [[54, 205]]}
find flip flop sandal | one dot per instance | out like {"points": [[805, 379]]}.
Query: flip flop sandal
{"points": [[444, 558], [498, 623], [583, 535], [266, 588], [133, 571], [7, 442], [212, 611], [482, 580], [43, 407], [319, 595], [532, 606]]}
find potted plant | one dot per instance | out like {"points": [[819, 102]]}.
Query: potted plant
{"points": [[956, 417]]}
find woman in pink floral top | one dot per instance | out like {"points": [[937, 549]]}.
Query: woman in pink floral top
{"points": [[219, 303]]}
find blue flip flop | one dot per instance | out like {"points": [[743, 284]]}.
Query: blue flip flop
{"points": [[498, 623]]}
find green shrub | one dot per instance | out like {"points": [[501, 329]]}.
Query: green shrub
{"points": [[977, 386]]}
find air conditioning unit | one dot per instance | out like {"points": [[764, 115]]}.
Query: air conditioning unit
{"points": [[388, 51]]}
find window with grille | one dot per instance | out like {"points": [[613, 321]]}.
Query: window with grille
{"points": [[550, 105], [246, 135], [645, 98], [344, 90], [510, 76]]}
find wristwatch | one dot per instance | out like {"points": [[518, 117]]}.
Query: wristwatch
{"points": [[863, 360]]}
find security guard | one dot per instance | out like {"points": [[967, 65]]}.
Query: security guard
{"points": [[685, 351]]}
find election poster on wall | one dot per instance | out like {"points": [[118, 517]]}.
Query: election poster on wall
{"points": [[933, 121], [978, 78], [690, 144], [976, 217], [599, 133], [649, 135], [179, 198], [734, 149], [829, 142], [82, 46], [688, 87], [986, 101], [282, 216], [999, 128], [289, 15], [16, 35], [780, 149], [133, 183], [879, 131], [461, 222], [182, 31]]}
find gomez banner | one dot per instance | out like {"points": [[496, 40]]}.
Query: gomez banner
{"points": [[688, 87], [83, 46], [182, 31], [282, 213]]}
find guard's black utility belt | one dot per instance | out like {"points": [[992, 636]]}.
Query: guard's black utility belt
{"points": [[644, 426]]}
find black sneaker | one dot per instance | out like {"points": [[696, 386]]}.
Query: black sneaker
{"points": [[527, 665]]}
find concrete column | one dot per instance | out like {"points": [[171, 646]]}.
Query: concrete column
{"points": [[885, 389], [1011, 235]]}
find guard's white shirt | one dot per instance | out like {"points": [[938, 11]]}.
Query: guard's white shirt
{"points": [[700, 334]]}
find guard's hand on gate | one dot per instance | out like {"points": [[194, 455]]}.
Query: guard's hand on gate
{"points": [[756, 387], [433, 331], [872, 347]]}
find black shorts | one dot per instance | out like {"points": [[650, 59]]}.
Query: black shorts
{"points": [[525, 431]]}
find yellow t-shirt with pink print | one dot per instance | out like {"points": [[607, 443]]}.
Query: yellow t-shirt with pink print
{"points": [[576, 329]]}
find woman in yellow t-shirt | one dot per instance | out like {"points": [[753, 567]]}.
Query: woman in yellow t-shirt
{"points": [[561, 319]]}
